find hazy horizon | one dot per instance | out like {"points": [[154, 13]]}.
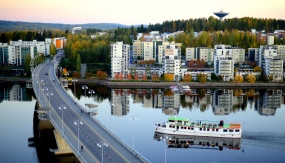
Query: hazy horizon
{"points": [[127, 12]]}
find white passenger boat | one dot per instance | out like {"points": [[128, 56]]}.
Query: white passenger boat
{"points": [[183, 126]]}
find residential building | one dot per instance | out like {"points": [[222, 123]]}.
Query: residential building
{"points": [[172, 61], [223, 62], [120, 59], [4, 56], [280, 51], [238, 55], [269, 102], [200, 53], [121, 102], [274, 68], [253, 54], [270, 40], [76, 30]]}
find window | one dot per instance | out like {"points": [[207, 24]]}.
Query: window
{"points": [[225, 130]]}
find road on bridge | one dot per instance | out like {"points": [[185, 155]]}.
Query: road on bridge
{"points": [[76, 127]]}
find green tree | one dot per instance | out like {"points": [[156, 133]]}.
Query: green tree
{"points": [[52, 49]]}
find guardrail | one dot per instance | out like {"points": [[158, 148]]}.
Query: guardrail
{"points": [[137, 154]]}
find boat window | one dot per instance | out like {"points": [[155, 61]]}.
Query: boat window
{"points": [[231, 130], [200, 129], [192, 128], [208, 129], [171, 121], [225, 130], [217, 130], [236, 130]]}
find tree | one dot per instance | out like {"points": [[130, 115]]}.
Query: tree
{"points": [[136, 77], [238, 78], [155, 77], [117, 76], [102, 74], [129, 76], [27, 64], [76, 74], [187, 78], [202, 78], [251, 78], [78, 63], [52, 49], [168, 77], [257, 69], [144, 78]]}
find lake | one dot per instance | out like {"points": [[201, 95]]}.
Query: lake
{"points": [[135, 111]]}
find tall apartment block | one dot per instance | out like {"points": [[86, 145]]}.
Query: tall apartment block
{"points": [[223, 62], [172, 61], [200, 53], [120, 58]]}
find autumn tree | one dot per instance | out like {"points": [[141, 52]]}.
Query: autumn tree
{"points": [[238, 78], [121, 76], [102, 74], [129, 76], [52, 49], [187, 78], [117, 76], [136, 77], [144, 78], [202, 78], [155, 77], [237, 92], [76, 74], [251, 78], [257, 69], [168, 77]]}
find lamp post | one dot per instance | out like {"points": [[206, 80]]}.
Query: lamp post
{"points": [[76, 123], [91, 92], [165, 139], [85, 87], [62, 107], [133, 119], [100, 145], [74, 80]]}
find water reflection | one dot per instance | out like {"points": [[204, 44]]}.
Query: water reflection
{"points": [[199, 142]]}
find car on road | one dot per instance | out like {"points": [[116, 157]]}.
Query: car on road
{"points": [[46, 73]]}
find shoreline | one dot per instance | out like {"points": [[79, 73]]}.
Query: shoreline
{"points": [[117, 84]]}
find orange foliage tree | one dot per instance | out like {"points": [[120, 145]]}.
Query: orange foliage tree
{"points": [[75, 74], [187, 78], [155, 77], [117, 76], [136, 77], [251, 78], [238, 78], [129, 76], [144, 78], [102, 74], [121, 76]]}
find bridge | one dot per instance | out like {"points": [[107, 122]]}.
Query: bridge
{"points": [[87, 138]]}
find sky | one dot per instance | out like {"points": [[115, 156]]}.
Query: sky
{"points": [[133, 12]]}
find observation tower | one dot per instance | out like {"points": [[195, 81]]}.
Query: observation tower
{"points": [[221, 14]]}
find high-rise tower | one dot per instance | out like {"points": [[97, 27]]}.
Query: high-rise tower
{"points": [[221, 14]]}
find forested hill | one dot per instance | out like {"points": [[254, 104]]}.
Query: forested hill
{"points": [[17, 25]]}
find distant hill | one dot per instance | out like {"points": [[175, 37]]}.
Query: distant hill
{"points": [[18, 25]]}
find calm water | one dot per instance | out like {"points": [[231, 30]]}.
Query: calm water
{"points": [[260, 111]]}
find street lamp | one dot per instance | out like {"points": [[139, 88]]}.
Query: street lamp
{"points": [[49, 94], [85, 87], [100, 145], [76, 123], [165, 139], [62, 107], [74, 80], [133, 119], [91, 92]]}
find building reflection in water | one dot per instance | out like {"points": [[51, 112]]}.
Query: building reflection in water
{"points": [[223, 101]]}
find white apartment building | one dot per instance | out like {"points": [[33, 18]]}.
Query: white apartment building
{"points": [[76, 30], [172, 61], [222, 101], [223, 62], [120, 58], [200, 53], [161, 48], [270, 40], [274, 67], [280, 51], [238, 55]]}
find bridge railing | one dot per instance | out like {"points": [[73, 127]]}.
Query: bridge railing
{"points": [[60, 132], [122, 142]]}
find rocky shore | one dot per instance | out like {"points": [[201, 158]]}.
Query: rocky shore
{"points": [[115, 84]]}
